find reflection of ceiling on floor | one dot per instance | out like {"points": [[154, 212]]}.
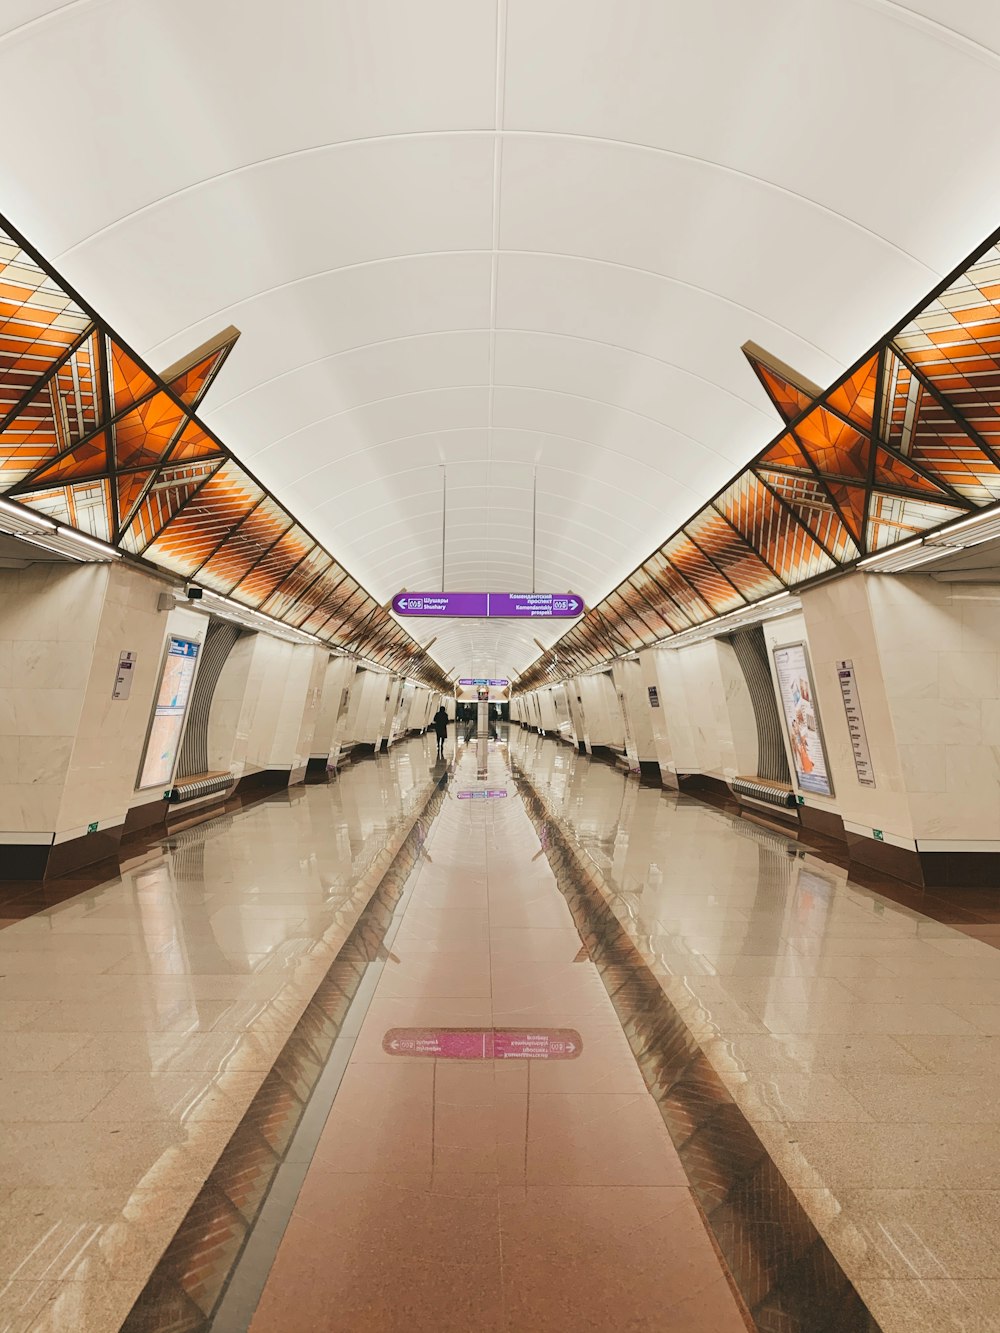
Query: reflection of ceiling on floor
{"points": [[507, 236], [904, 443], [91, 437]]}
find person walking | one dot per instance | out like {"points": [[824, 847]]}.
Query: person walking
{"points": [[441, 729]]}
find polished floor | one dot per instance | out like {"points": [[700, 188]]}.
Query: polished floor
{"points": [[490, 1157], [860, 1038], [535, 1190]]}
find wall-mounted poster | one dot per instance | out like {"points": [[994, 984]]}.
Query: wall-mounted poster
{"points": [[798, 702], [167, 725]]}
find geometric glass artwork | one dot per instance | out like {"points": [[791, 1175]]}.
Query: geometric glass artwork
{"points": [[907, 440], [94, 438]]}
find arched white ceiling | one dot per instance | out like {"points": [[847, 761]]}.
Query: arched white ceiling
{"points": [[515, 239]]}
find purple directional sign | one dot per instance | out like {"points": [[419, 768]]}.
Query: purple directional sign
{"points": [[496, 605], [535, 605], [441, 604]]}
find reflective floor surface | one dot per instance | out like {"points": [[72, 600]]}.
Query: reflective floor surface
{"points": [[546, 938], [493, 1159], [859, 1038], [138, 1019]]}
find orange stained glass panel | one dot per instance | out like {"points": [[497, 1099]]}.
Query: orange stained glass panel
{"points": [[855, 398], [144, 434], [639, 596], [191, 384], [812, 506], [787, 397], [332, 582], [895, 518], [735, 557], [653, 592], [892, 470], [298, 584], [38, 322], [59, 414], [628, 623], [695, 566], [193, 443], [758, 515], [209, 516], [275, 565], [129, 380], [688, 600], [245, 545], [171, 490], [954, 342], [333, 592], [836, 448], [919, 427], [851, 500], [129, 487], [85, 461], [786, 452]]}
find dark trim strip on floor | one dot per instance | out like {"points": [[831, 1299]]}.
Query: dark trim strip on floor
{"points": [[241, 1211], [779, 1263]]}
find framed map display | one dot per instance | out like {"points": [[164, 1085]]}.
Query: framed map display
{"points": [[167, 724], [798, 704]]}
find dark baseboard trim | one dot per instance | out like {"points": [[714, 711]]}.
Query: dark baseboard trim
{"points": [[139, 819], [316, 770], [263, 780], [825, 822], [20, 860], [696, 783], [900, 862], [649, 773]]}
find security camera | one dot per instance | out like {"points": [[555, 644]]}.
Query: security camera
{"points": [[193, 594]]}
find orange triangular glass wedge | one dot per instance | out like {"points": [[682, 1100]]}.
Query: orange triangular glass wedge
{"points": [[855, 398], [129, 382], [892, 470], [850, 500]]}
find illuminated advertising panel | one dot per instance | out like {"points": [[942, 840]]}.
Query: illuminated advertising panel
{"points": [[167, 725], [798, 703]]}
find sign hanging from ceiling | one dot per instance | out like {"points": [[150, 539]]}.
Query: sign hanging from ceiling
{"points": [[490, 605]]}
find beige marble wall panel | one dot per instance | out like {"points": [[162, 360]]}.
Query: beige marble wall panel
{"points": [[649, 666], [100, 783], [630, 681], [339, 671], [261, 703], [49, 619], [939, 645], [315, 662]]}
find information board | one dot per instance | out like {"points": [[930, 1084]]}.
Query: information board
{"points": [[123, 677], [493, 605], [484, 1043], [798, 703], [169, 712], [855, 723]]}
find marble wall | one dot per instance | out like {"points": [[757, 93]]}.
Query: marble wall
{"points": [[69, 752], [926, 656]]}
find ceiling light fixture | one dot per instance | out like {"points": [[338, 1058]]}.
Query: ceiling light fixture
{"points": [[27, 516], [92, 543]]}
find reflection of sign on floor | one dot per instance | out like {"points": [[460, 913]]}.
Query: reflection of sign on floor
{"points": [[484, 1043], [484, 795]]}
